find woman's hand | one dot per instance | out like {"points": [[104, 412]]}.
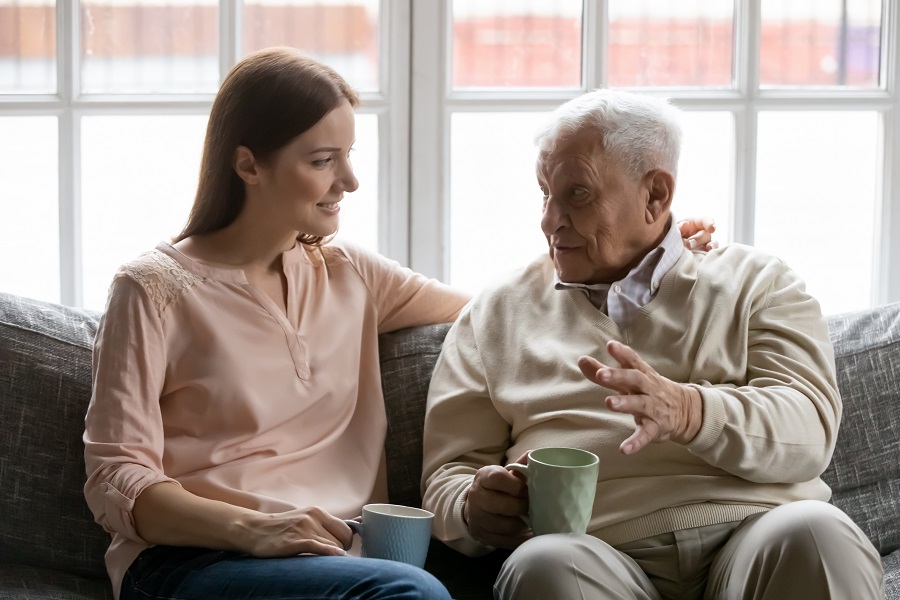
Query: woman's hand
{"points": [[309, 530], [697, 233], [167, 514]]}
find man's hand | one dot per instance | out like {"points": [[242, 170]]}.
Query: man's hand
{"points": [[662, 409], [697, 234], [494, 507]]}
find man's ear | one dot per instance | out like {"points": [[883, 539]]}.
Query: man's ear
{"points": [[660, 188], [245, 165]]}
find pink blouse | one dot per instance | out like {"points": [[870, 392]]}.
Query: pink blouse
{"points": [[201, 380]]}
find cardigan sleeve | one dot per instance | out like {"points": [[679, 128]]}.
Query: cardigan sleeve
{"points": [[781, 425], [463, 432], [123, 434]]}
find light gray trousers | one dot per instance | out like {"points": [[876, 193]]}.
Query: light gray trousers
{"points": [[806, 549]]}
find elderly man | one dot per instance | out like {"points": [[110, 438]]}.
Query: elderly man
{"points": [[703, 381]]}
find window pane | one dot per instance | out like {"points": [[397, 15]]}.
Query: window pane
{"points": [[816, 194], [495, 202], [29, 215], [27, 46], [147, 46], [820, 42], [359, 210], [706, 170], [659, 43], [343, 35], [139, 176], [516, 43]]}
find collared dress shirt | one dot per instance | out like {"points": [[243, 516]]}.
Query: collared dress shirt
{"points": [[621, 300]]}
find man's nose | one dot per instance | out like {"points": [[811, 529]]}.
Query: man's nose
{"points": [[554, 217]]}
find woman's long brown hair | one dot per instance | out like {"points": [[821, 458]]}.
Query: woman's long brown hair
{"points": [[269, 98]]}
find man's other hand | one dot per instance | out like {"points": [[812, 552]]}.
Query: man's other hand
{"points": [[494, 507]]}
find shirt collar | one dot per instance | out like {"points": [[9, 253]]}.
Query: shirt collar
{"points": [[648, 274]]}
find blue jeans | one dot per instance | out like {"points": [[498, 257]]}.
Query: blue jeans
{"points": [[168, 572]]}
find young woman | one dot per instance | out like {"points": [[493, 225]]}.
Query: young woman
{"points": [[237, 414]]}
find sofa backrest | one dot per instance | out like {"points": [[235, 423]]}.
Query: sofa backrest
{"points": [[45, 361], [45, 386], [864, 474], [407, 360]]}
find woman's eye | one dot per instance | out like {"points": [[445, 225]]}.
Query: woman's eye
{"points": [[324, 162]]}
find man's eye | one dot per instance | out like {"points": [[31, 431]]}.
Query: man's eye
{"points": [[579, 196]]}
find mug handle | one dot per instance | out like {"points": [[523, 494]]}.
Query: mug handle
{"points": [[519, 468], [523, 469], [356, 526]]}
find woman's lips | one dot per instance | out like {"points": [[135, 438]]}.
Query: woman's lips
{"points": [[331, 208]]}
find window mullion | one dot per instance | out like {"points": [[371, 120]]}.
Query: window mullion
{"points": [[889, 254], [746, 65], [393, 131], [595, 43], [230, 39], [429, 130], [68, 153]]}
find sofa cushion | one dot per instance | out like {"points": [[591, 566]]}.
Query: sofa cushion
{"points": [[45, 379], [891, 576], [407, 359], [864, 474], [21, 582]]}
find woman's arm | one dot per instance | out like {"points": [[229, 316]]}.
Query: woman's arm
{"points": [[168, 514]]}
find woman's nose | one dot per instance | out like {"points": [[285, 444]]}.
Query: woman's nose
{"points": [[348, 179]]}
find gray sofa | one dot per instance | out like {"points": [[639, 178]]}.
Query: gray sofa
{"points": [[51, 548]]}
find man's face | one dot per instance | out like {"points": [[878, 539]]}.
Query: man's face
{"points": [[595, 213]]}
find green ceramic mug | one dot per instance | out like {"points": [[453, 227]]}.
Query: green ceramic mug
{"points": [[561, 487]]}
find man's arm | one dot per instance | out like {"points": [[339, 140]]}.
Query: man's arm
{"points": [[465, 440], [780, 426]]}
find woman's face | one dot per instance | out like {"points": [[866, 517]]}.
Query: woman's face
{"points": [[305, 181]]}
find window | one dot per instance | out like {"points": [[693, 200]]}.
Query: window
{"points": [[103, 109], [791, 121]]}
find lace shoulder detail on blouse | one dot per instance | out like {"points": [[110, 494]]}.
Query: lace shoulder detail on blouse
{"points": [[163, 279]]}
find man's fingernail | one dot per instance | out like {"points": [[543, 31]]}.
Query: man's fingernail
{"points": [[692, 243], [627, 448], [615, 402]]}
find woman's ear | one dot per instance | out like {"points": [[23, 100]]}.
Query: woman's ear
{"points": [[245, 165], [661, 188]]}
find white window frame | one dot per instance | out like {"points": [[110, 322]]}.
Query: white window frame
{"points": [[434, 102], [69, 106], [415, 105]]}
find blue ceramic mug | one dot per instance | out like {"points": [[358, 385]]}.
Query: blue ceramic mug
{"points": [[394, 532]]}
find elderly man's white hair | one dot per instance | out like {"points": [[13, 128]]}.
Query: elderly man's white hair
{"points": [[641, 131]]}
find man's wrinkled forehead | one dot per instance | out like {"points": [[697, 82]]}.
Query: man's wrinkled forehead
{"points": [[579, 148]]}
